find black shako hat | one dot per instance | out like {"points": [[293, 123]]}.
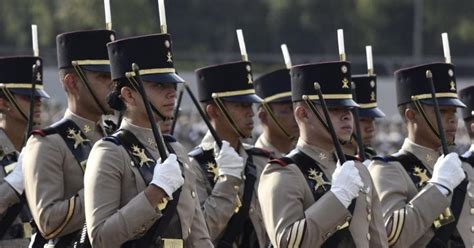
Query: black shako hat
{"points": [[467, 97], [152, 53], [412, 84], [16, 75], [84, 48], [231, 82], [333, 77], [366, 95], [274, 86]]}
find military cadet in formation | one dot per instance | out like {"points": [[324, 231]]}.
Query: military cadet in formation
{"points": [[366, 97], [467, 97], [228, 176], [280, 130], [127, 184], [15, 99], [423, 197], [307, 199], [55, 157]]}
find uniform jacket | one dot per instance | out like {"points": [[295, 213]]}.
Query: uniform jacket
{"points": [[293, 218], [117, 209], [54, 180], [218, 203], [409, 213]]}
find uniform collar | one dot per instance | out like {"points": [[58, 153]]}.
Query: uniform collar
{"points": [[143, 134], [6, 146], [324, 158], [262, 142], [426, 155], [88, 127]]}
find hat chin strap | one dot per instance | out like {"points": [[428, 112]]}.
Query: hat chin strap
{"points": [[12, 100], [229, 118], [134, 84], [420, 109], [272, 116], [320, 118], [83, 78]]}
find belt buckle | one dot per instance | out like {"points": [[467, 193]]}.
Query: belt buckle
{"points": [[172, 243]]}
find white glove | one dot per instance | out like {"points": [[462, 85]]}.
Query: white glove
{"points": [[346, 182], [15, 178], [167, 175], [229, 161], [448, 171]]}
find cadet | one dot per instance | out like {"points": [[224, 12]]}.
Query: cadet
{"points": [[467, 97], [228, 177], [280, 130], [55, 157], [416, 188], [305, 197], [15, 99], [366, 97], [126, 183]]}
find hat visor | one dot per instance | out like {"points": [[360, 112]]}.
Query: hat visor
{"points": [[445, 102], [27, 92], [371, 113], [339, 103], [97, 68], [163, 78], [252, 98], [281, 100]]}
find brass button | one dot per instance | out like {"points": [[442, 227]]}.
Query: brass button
{"points": [[472, 229], [369, 217], [328, 235], [193, 194], [472, 211], [368, 236]]}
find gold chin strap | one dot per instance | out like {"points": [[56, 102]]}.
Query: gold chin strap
{"points": [[272, 115], [12, 100], [229, 118]]}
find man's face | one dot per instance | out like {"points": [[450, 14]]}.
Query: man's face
{"points": [[367, 130], [448, 118], [101, 85], [342, 121], [242, 114], [284, 114]]}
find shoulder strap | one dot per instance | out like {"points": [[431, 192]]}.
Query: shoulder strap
{"points": [[145, 163], [79, 145], [207, 163]]}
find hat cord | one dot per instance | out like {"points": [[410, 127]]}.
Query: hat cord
{"points": [[278, 123], [229, 118]]}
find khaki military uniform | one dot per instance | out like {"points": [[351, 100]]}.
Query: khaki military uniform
{"points": [[409, 213], [219, 203], [54, 180], [117, 209], [9, 197], [262, 142], [293, 218]]}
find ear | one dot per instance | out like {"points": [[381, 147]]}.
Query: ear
{"points": [[127, 96], [301, 114], [263, 115], [410, 114], [69, 82], [212, 111]]}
